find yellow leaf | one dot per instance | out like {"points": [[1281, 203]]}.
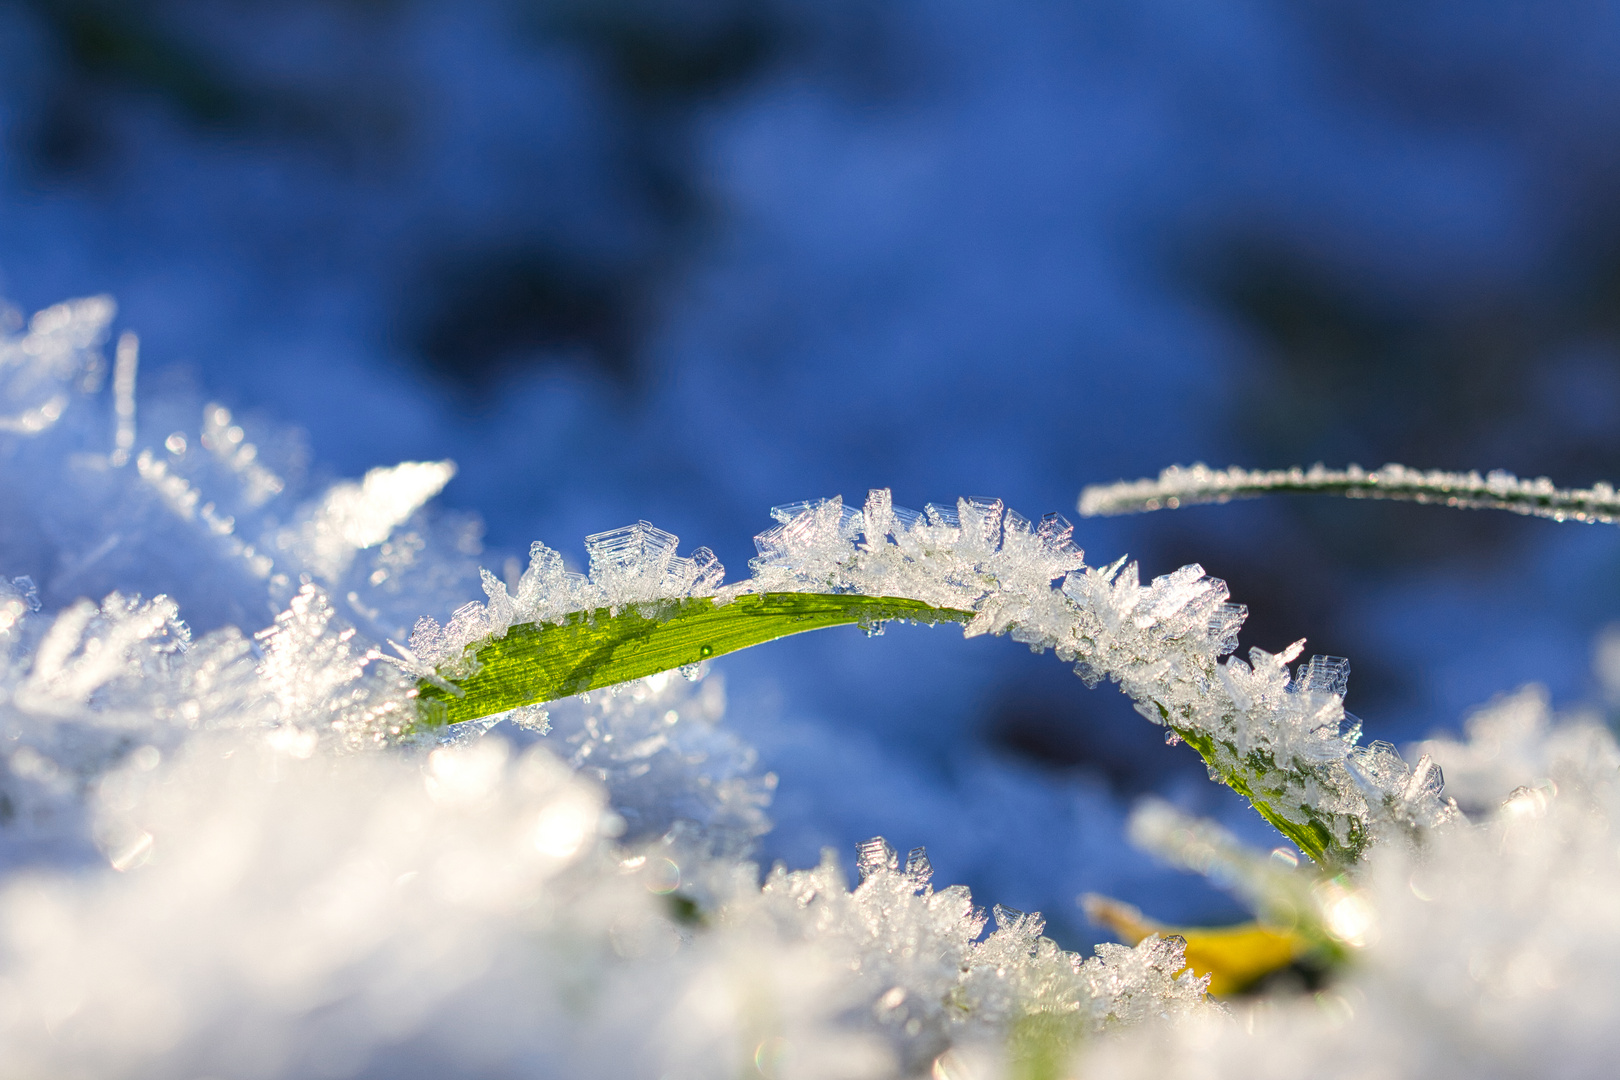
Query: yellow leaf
{"points": [[1234, 957]]}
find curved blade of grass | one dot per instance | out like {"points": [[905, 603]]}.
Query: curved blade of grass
{"points": [[534, 663], [538, 662], [1199, 484]]}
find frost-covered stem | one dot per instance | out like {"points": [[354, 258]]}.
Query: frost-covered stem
{"points": [[1280, 738], [1303, 799], [1178, 486], [538, 663], [1316, 835]]}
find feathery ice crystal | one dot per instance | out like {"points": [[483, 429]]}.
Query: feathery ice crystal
{"points": [[227, 847]]}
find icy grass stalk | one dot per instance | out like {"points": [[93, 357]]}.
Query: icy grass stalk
{"points": [[1284, 741], [1200, 484]]}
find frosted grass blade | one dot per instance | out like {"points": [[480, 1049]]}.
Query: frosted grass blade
{"points": [[587, 650], [1279, 737], [1200, 484]]}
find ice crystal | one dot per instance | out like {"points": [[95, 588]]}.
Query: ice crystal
{"points": [[353, 517], [924, 971], [639, 563]]}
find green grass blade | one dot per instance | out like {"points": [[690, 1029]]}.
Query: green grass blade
{"points": [[534, 663], [538, 662]]}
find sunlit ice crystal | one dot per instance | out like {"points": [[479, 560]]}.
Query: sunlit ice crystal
{"points": [[635, 565], [873, 856], [352, 516], [918, 867], [632, 550], [639, 562], [1324, 675]]}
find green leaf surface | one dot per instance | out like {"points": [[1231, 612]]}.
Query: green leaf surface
{"points": [[533, 663]]}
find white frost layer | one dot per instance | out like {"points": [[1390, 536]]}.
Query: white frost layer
{"points": [[292, 916]]}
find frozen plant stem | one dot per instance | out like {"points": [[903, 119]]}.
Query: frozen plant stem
{"points": [[1282, 740], [1199, 484]]}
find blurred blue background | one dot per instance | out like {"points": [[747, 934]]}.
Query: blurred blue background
{"points": [[686, 259]]}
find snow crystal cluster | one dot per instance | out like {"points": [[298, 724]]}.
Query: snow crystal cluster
{"points": [[634, 565]]}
